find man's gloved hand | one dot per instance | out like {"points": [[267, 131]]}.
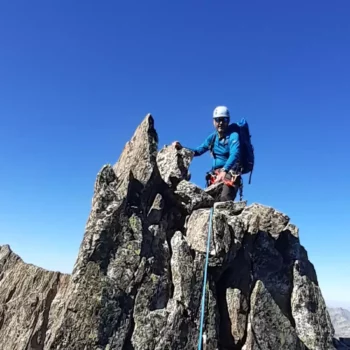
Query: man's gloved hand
{"points": [[177, 145]]}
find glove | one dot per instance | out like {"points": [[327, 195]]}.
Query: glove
{"points": [[177, 145]]}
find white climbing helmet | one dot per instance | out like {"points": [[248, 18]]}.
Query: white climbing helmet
{"points": [[221, 111]]}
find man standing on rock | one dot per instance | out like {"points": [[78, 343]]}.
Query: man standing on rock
{"points": [[224, 144]]}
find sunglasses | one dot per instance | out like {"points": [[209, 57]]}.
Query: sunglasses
{"points": [[221, 119]]}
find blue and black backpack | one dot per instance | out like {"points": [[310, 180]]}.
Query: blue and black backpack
{"points": [[247, 157]]}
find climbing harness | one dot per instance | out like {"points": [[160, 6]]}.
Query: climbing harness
{"points": [[231, 179], [201, 326]]}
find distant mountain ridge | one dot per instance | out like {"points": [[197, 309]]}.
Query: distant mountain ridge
{"points": [[341, 321]]}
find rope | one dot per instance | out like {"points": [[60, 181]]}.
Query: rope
{"points": [[205, 281]]}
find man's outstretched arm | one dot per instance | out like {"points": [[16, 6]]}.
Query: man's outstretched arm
{"points": [[204, 147], [234, 152]]}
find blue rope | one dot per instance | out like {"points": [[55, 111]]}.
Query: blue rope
{"points": [[205, 281]]}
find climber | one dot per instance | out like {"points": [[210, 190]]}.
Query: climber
{"points": [[225, 149]]}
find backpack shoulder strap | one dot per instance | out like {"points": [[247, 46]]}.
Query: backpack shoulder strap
{"points": [[234, 127], [211, 144]]}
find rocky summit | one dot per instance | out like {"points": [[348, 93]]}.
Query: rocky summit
{"points": [[137, 280]]}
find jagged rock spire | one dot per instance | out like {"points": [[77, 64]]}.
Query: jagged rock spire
{"points": [[137, 281], [139, 154]]}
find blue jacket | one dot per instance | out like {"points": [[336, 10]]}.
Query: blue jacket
{"points": [[226, 150]]}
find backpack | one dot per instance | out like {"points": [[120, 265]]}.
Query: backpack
{"points": [[247, 157]]}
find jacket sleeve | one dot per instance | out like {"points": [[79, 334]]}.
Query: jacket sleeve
{"points": [[234, 152], [204, 147]]}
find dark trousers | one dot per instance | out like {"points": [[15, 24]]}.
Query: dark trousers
{"points": [[228, 193]]}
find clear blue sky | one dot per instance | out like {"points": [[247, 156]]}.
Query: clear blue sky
{"points": [[77, 77]]}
